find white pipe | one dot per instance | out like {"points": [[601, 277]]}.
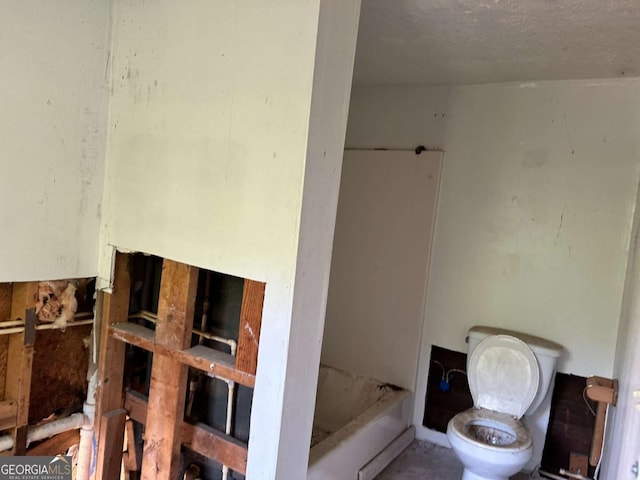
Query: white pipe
{"points": [[6, 443], [153, 318], [12, 323], [573, 475], [46, 430], [53, 326], [85, 449], [44, 326], [230, 397]]}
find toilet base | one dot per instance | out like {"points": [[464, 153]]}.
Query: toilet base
{"points": [[468, 475]]}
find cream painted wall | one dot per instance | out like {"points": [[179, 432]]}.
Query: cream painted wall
{"points": [[380, 261], [225, 142], [534, 217], [53, 134], [397, 117]]}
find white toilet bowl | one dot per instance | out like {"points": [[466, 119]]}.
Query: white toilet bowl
{"points": [[490, 445], [489, 438]]}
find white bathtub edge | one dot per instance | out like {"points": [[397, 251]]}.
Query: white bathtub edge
{"points": [[387, 455]]}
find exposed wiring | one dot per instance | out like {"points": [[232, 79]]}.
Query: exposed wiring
{"points": [[586, 401], [596, 473], [454, 370], [444, 374]]}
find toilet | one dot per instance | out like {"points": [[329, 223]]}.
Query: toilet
{"points": [[509, 375]]}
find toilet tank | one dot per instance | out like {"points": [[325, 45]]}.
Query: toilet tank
{"points": [[546, 352]]}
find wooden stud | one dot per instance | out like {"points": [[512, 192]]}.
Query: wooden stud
{"points": [[250, 323], [20, 360], [109, 397], [8, 414], [131, 458], [5, 314], [110, 444], [160, 457]]}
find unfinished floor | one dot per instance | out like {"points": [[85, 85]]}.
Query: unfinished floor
{"points": [[422, 460]]}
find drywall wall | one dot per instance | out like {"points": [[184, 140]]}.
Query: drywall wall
{"points": [[534, 217], [397, 117], [380, 261], [225, 141], [623, 423], [52, 128]]}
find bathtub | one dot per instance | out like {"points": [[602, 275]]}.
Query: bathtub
{"points": [[359, 426]]}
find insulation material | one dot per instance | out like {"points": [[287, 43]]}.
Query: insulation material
{"points": [[57, 302]]}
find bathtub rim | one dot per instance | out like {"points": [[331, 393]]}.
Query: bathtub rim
{"points": [[394, 396]]}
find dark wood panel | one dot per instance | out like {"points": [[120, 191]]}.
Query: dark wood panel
{"points": [[442, 406], [570, 425]]}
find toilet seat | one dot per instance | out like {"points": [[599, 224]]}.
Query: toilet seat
{"points": [[503, 375], [459, 425]]}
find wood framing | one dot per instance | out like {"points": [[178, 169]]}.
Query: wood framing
{"points": [[198, 437], [250, 323], [115, 309], [213, 362], [162, 412], [110, 444], [167, 391], [5, 314], [55, 445], [8, 414], [20, 360]]}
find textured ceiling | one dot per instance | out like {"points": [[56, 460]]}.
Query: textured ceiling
{"points": [[481, 41]]}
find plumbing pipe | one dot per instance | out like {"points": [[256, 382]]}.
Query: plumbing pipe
{"points": [[230, 400], [46, 430], [75, 323], [573, 475], [44, 326], [85, 449], [153, 318], [12, 323], [551, 475], [6, 443]]}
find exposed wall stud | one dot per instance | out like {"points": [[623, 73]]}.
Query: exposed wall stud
{"points": [[115, 309], [250, 323], [167, 391], [20, 360]]}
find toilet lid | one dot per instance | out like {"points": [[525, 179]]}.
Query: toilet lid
{"points": [[503, 375]]}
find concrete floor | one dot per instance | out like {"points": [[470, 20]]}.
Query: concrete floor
{"points": [[423, 460]]}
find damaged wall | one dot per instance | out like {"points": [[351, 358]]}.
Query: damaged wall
{"points": [[52, 129], [216, 118]]}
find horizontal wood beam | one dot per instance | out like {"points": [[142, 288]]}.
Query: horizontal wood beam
{"points": [[134, 334], [212, 362], [198, 437]]}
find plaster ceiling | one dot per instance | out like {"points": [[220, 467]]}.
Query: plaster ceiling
{"points": [[481, 41]]}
